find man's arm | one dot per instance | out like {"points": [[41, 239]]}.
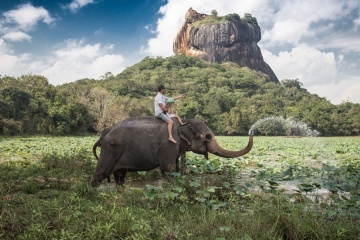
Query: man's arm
{"points": [[163, 107], [180, 96]]}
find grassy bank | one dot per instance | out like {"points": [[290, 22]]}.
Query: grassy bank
{"points": [[44, 193]]}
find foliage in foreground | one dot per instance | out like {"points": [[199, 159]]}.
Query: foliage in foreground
{"points": [[44, 193]]}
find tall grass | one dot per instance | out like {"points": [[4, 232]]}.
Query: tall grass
{"points": [[51, 199]]}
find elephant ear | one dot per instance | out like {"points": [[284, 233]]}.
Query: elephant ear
{"points": [[186, 132]]}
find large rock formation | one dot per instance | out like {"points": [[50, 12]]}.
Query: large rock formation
{"points": [[233, 40]]}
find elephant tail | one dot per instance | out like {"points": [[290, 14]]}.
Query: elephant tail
{"points": [[97, 144]]}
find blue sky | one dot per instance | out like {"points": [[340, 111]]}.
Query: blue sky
{"points": [[314, 41]]}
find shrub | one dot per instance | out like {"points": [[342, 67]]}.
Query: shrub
{"points": [[232, 16]]}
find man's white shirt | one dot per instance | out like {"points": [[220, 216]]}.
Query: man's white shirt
{"points": [[160, 98]]}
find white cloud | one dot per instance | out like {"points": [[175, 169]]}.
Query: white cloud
{"points": [[75, 5], [346, 90], [16, 65], [305, 63], [77, 60], [356, 24], [15, 24], [343, 43], [77, 50], [4, 47], [73, 61], [318, 71], [98, 32], [294, 19], [16, 36], [27, 16], [150, 29]]}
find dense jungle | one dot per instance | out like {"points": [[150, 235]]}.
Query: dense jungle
{"points": [[229, 98]]}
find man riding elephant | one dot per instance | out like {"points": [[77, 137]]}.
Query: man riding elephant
{"points": [[140, 144], [161, 110]]}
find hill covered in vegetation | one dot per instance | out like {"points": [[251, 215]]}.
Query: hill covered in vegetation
{"points": [[229, 98]]}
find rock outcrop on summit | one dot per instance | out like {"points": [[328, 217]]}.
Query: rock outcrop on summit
{"points": [[229, 40]]}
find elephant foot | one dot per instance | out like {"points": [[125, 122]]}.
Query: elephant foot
{"points": [[121, 182]]}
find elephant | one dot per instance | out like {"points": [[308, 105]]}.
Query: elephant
{"points": [[141, 144]]}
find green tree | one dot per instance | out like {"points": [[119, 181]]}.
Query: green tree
{"points": [[232, 16], [16, 101], [214, 13], [250, 19]]}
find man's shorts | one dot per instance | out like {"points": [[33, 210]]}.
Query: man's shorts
{"points": [[163, 117]]}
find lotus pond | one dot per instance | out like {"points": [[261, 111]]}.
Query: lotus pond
{"points": [[285, 188]]}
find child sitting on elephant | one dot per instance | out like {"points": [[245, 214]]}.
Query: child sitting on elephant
{"points": [[170, 113]]}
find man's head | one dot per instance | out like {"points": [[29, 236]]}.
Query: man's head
{"points": [[161, 89]]}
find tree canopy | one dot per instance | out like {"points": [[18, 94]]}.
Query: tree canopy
{"points": [[229, 98]]}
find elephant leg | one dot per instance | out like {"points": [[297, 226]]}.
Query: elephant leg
{"points": [[117, 176], [120, 176], [183, 163], [167, 158], [177, 165], [181, 168]]}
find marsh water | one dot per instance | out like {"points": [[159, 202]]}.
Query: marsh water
{"points": [[290, 187]]}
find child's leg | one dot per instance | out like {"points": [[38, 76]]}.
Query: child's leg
{"points": [[170, 124], [179, 119]]}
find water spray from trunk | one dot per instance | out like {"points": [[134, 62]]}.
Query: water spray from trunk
{"points": [[278, 126]]}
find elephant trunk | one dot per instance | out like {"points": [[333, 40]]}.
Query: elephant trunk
{"points": [[214, 148], [96, 180]]}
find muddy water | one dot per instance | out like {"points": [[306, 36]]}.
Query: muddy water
{"points": [[290, 187]]}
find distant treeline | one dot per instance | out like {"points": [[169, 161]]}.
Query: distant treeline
{"points": [[227, 97]]}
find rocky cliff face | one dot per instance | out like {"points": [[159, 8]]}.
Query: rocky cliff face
{"points": [[225, 41]]}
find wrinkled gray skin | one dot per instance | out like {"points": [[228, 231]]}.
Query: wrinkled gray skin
{"points": [[98, 144], [141, 144]]}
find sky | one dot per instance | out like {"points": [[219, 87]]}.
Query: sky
{"points": [[316, 42]]}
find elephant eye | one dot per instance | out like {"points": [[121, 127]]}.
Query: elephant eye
{"points": [[208, 136]]}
